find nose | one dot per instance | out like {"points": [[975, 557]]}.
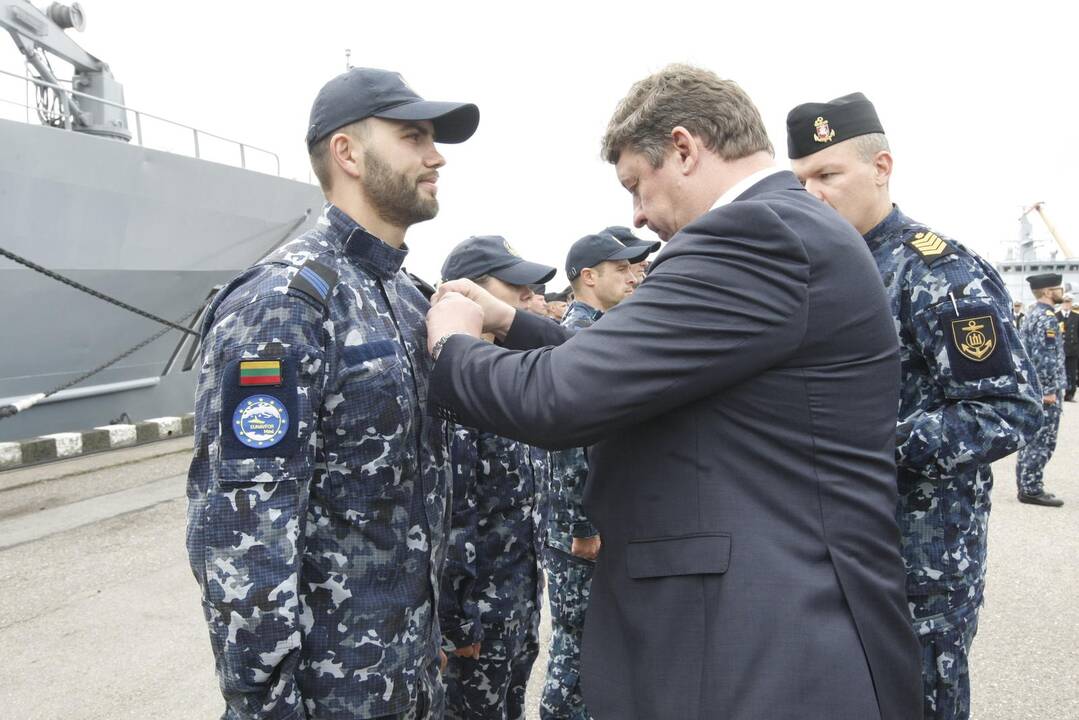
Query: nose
{"points": [[814, 188], [435, 159]]}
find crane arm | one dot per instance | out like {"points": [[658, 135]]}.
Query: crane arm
{"points": [[31, 28]]}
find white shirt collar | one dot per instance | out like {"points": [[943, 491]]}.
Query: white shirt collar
{"points": [[745, 184]]}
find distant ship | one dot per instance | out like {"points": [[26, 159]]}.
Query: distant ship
{"points": [[80, 195], [1029, 257]]}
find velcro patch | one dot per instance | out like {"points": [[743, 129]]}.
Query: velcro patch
{"points": [[357, 354], [930, 246], [314, 280], [974, 345], [259, 421]]}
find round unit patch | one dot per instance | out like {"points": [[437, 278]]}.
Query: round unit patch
{"points": [[260, 421]]}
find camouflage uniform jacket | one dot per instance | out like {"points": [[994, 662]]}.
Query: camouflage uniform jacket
{"points": [[968, 397], [569, 468], [318, 535], [492, 569], [1043, 338]]}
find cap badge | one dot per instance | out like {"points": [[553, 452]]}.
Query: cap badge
{"points": [[510, 250], [823, 132], [975, 337]]}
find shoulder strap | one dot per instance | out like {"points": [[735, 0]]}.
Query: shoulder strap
{"points": [[929, 246]]}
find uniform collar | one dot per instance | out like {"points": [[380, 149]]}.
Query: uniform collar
{"points": [[895, 220], [585, 308], [362, 247]]}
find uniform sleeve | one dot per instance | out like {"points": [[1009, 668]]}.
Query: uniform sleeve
{"points": [[458, 610], [989, 405], [567, 497], [256, 417]]}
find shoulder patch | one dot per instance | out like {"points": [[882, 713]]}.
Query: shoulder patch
{"points": [[314, 280], [974, 344], [930, 246]]}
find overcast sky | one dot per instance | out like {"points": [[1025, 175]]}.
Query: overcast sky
{"points": [[979, 103]]}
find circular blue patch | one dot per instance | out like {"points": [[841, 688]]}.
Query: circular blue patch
{"points": [[260, 421]]}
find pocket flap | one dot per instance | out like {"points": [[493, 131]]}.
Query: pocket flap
{"points": [[357, 354], [701, 554]]}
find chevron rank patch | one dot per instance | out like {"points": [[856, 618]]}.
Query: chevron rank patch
{"points": [[314, 280], [930, 246]]}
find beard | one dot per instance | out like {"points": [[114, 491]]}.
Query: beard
{"points": [[396, 198]]}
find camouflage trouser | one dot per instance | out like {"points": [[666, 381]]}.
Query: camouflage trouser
{"points": [[430, 699], [1034, 456], [945, 636], [570, 581], [493, 687]]}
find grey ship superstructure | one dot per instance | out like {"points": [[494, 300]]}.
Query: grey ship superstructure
{"points": [[1028, 257], [81, 196]]}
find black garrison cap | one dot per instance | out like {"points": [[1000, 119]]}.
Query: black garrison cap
{"points": [[812, 127], [492, 255], [369, 92], [625, 236], [591, 250], [1045, 280]]}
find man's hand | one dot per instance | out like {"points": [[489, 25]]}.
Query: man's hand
{"points": [[1050, 399], [497, 315], [468, 651], [587, 548], [442, 661], [454, 313]]}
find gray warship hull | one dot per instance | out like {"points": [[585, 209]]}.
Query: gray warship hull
{"points": [[156, 230]]}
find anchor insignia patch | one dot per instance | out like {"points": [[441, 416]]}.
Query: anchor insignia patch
{"points": [[975, 337]]}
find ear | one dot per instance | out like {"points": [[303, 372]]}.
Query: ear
{"points": [[588, 277], [882, 168], [687, 150], [347, 154]]}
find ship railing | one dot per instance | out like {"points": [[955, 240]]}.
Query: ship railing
{"points": [[196, 133]]}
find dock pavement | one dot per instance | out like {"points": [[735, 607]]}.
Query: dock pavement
{"points": [[100, 616]]}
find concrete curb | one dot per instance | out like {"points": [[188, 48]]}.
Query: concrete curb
{"points": [[60, 446]]}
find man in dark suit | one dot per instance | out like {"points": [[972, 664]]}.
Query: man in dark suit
{"points": [[741, 407], [1070, 322]]}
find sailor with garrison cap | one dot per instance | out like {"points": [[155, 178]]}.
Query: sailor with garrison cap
{"points": [[968, 395], [317, 513], [1043, 338]]}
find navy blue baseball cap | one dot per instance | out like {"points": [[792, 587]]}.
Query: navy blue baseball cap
{"points": [[591, 250], [625, 236], [369, 92], [491, 255]]}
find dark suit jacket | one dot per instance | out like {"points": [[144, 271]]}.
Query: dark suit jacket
{"points": [[1071, 332], [742, 403]]}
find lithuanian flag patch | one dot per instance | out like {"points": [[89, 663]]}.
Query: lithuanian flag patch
{"points": [[260, 372]]}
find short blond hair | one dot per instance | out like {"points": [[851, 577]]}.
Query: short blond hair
{"points": [[716, 111]]}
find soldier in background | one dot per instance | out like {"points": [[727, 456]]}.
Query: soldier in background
{"points": [[968, 391], [601, 273], [1018, 314], [537, 304], [492, 587], [1070, 322], [1042, 337], [558, 304], [317, 492], [625, 236]]}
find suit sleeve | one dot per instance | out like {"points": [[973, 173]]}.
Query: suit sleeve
{"points": [[716, 309], [248, 503], [988, 406], [458, 610]]}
